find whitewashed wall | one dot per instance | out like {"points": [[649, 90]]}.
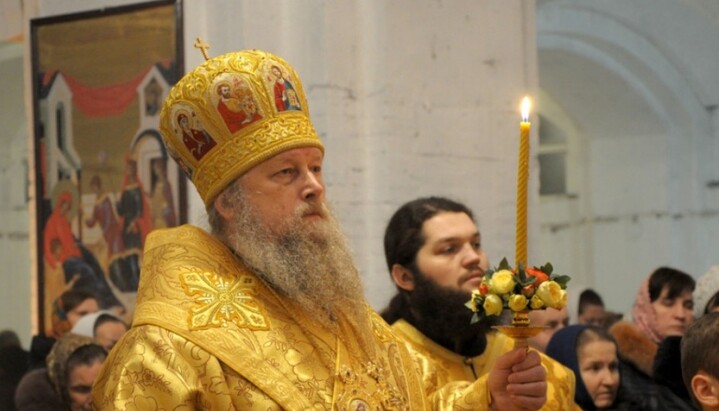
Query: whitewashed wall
{"points": [[635, 88], [14, 223], [411, 98], [421, 97]]}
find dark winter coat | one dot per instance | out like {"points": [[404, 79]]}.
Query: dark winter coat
{"points": [[637, 354]]}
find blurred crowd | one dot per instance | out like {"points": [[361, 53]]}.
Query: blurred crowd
{"points": [[663, 358], [58, 371]]}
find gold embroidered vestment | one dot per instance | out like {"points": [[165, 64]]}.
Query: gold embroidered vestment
{"points": [[208, 334], [445, 366]]}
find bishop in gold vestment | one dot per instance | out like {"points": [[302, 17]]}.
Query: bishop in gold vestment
{"points": [[208, 334], [265, 311]]}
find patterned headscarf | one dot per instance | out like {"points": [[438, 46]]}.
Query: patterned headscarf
{"points": [[57, 359], [643, 313]]}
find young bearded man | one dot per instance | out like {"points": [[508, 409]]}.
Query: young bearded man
{"points": [[434, 253], [266, 311]]}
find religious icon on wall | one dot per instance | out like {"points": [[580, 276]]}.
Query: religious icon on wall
{"points": [[103, 179]]}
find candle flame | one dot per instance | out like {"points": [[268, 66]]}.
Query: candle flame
{"points": [[526, 105]]}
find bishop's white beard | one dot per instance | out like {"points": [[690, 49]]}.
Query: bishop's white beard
{"points": [[307, 262]]}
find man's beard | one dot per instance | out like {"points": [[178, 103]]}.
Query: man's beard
{"points": [[307, 263], [440, 314]]}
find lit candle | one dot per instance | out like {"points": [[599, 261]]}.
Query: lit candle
{"points": [[522, 180]]}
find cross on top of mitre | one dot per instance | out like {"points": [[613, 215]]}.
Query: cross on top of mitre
{"points": [[200, 44]]}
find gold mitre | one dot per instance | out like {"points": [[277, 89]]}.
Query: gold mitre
{"points": [[231, 113]]}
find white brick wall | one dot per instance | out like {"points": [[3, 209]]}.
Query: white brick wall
{"points": [[411, 98], [14, 227], [406, 108], [421, 97]]}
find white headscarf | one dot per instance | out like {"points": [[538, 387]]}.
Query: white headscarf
{"points": [[86, 324], [707, 286]]}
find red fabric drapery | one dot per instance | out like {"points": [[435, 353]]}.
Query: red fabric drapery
{"points": [[106, 100], [110, 100]]}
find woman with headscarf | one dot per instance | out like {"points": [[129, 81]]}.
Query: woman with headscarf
{"points": [[66, 311], [662, 312], [66, 384], [104, 327], [69, 308], [591, 353]]}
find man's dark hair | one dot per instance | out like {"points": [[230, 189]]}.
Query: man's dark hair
{"points": [[439, 313], [403, 235], [699, 351], [674, 280], [589, 297], [106, 318]]}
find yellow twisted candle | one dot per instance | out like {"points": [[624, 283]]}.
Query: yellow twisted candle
{"points": [[522, 181]]}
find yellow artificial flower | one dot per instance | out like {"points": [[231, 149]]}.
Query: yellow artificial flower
{"points": [[551, 294], [492, 304], [536, 302], [518, 302], [502, 282], [473, 301]]}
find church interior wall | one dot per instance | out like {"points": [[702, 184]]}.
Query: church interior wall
{"points": [[400, 121], [407, 108], [644, 108], [14, 214]]}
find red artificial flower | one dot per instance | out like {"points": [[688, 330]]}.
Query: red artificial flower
{"points": [[539, 276]]}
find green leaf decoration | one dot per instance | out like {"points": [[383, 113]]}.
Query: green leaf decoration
{"points": [[475, 318], [530, 280], [522, 274], [562, 280], [547, 268], [504, 264]]}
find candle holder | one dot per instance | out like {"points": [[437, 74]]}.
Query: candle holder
{"points": [[519, 291], [520, 331]]}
